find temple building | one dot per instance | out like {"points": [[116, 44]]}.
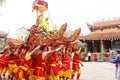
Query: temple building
{"points": [[104, 36]]}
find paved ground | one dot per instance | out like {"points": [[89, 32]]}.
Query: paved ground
{"points": [[98, 71]]}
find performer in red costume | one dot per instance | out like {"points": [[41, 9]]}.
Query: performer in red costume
{"points": [[3, 62], [39, 64], [66, 64], [53, 66], [12, 62], [25, 65], [75, 64]]}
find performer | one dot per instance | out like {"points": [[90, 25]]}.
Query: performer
{"points": [[25, 65], [75, 64], [39, 62], [66, 64], [12, 62], [3, 62], [53, 66]]}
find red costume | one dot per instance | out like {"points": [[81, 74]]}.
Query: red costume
{"points": [[66, 68], [24, 67], [75, 65], [3, 64], [39, 71], [53, 68], [12, 62]]}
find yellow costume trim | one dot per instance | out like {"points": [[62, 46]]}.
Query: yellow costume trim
{"points": [[68, 73], [53, 76], [32, 77], [20, 75], [61, 73], [4, 70], [75, 62], [39, 78], [40, 68], [77, 70], [1, 70], [53, 64], [24, 68], [12, 68]]}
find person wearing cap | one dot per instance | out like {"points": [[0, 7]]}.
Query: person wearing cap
{"points": [[116, 60]]}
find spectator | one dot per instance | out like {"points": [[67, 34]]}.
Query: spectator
{"points": [[116, 60], [89, 56], [95, 56]]}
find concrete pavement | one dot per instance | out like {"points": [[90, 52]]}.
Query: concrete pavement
{"points": [[98, 71]]}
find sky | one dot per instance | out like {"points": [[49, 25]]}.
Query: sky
{"points": [[15, 14]]}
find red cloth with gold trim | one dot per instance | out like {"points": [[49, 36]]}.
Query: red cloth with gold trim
{"points": [[53, 64], [76, 61], [2, 61], [66, 62], [39, 65]]}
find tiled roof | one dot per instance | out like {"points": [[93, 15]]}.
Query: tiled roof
{"points": [[107, 23], [108, 34], [104, 24]]}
